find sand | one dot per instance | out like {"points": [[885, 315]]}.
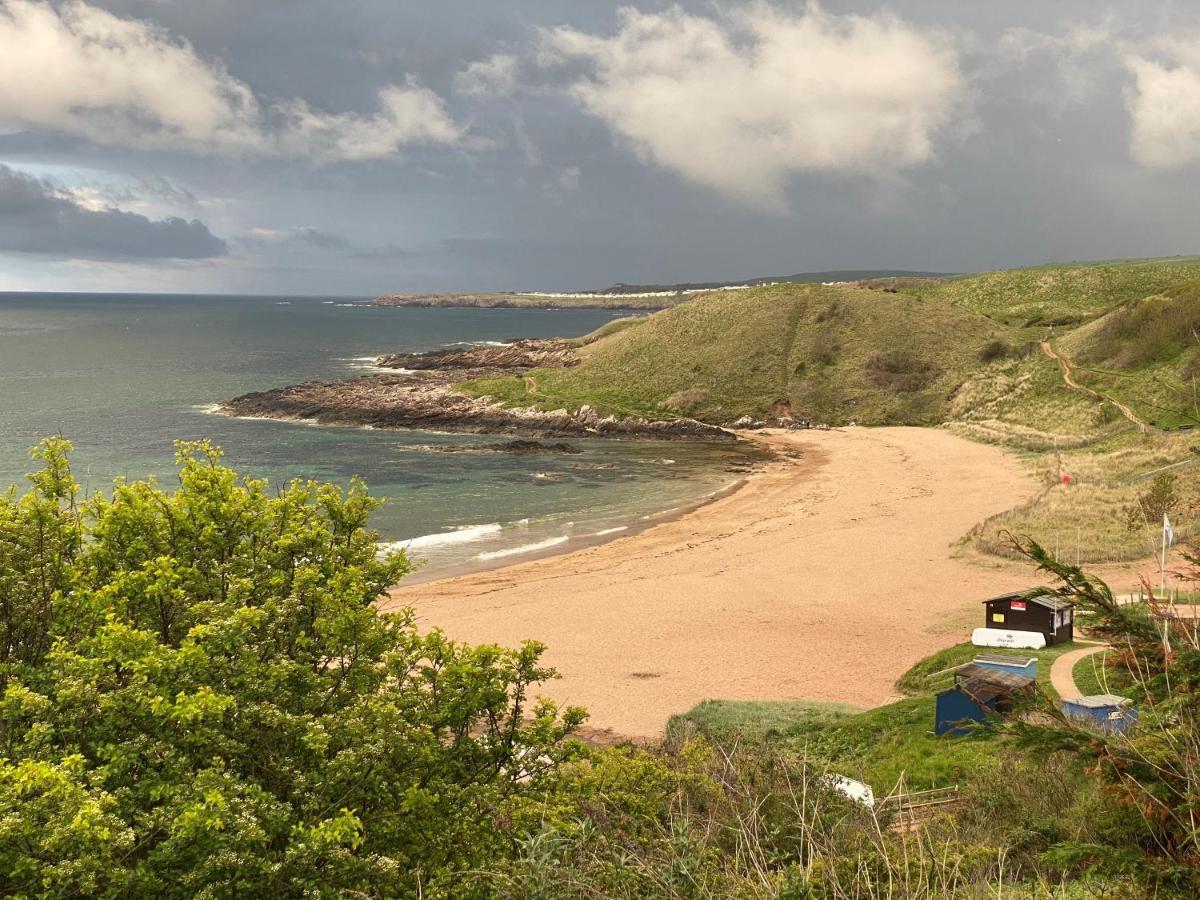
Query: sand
{"points": [[824, 578]]}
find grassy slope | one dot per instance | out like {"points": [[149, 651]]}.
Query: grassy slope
{"points": [[879, 745], [837, 354], [1145, 353], [1022, 402], [1063, 293], [1089, 518]]}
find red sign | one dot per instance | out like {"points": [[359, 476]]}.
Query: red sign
{"points": [[1017, 606]]}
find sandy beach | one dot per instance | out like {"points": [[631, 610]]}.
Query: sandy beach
{"points": [[825, 577]]}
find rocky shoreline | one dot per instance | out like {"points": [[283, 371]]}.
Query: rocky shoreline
{"points": [[422, 395]]}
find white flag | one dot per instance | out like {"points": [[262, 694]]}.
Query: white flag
{"points": [[1168, 531]]}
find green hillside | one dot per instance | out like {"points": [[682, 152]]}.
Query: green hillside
{"points": [[1062, 294], [1145, 353], [834, 354], [965, 351]]}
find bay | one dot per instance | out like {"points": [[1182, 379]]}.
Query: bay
{"points": [[124, 375]]}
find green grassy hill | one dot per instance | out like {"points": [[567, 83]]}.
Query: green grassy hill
{"points": [[1062, 294], [834, 354], [964, 351], [1145, 353]]}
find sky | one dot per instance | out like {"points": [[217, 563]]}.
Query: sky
{"points": [[369, 146]]}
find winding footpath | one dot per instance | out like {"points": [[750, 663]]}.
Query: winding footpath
{"points": [[1062, 672], [1144, 427]]}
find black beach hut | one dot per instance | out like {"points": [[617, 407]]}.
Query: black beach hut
{"points": [[1044, 613]]}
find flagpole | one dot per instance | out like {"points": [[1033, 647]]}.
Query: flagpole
{"points": [[1162, 568]]}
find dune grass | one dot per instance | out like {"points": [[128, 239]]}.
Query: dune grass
{"points": [[879, 746], [762, 719], [1062, 294], [1146, 354], [1099, 673], [1023, 402], [1089, 520]]}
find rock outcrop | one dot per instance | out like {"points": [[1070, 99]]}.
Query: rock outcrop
{"points": [[518, 354], [427, 400]]}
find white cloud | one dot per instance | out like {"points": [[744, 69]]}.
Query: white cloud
{"points": [[83, 71], [742, 104], [495, 76], [1165, 104]]}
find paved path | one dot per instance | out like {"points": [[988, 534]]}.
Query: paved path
{"points": [[1062, 672]]}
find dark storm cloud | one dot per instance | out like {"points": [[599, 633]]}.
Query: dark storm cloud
{"points": [[300, 238], [560, 143], [35, 217]]}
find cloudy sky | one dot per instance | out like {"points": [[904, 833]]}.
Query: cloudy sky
{"points": [[363, 146]]}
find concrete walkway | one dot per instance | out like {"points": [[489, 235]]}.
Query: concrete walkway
{"points": [[1062, 672]]}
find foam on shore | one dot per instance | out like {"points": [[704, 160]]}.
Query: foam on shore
{"points": [[524, 548], [464, 535]]}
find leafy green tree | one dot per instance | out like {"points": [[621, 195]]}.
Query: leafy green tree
{"points": [[200, 699]]}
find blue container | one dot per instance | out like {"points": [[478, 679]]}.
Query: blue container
{"points": [[1104, 712], [954, 709], [1013, 665]]}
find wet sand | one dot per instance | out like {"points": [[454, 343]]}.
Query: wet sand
{"points": [[824, 577]]}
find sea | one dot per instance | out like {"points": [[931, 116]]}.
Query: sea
{"points": [[125, 375]]}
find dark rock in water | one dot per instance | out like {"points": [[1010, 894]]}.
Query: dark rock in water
{"points": [[524, 446], [429, 401], [424, 396]]}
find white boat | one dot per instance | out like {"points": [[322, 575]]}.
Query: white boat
{"points": [[999, 637]]}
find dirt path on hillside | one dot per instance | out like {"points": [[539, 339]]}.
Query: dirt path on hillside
{"points": [[1062, 671], [1071, 382], [825, 578]]}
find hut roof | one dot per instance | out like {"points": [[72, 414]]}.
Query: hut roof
{"points": [[1049, 601], [982, 684], [1099, 701], [998, 660]]}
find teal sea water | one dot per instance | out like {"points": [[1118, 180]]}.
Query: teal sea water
{"points": [[123, 376]]}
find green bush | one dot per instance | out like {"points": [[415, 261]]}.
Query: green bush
{"points": [[200, 699]]}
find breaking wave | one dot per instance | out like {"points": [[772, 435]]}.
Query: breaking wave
{"points": [[524, 548], [464, 535]]}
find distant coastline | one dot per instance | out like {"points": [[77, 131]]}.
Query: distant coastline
{"points": [[648, 302], [634, 296]]}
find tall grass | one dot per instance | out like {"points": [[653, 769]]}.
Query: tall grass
{"points": [[1093, 518]]}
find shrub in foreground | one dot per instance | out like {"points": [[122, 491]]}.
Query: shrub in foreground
{"points": [[199, 699]]}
